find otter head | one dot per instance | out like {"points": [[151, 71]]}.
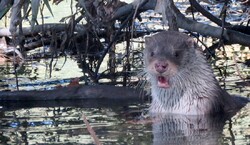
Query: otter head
{"points": [[166, 54]]}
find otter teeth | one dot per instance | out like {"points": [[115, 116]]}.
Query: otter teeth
{"points": [[163, 82]]}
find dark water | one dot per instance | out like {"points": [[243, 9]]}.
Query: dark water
{"points": [[61, 122], [114, 122]]}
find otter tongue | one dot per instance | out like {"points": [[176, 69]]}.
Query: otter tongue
{"points": [[163, 82]]}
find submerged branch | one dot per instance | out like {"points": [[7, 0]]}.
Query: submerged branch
{"points": [[91, 131]]}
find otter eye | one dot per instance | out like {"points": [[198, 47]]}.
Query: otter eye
{"points": [[152, 53], [176, 54]]}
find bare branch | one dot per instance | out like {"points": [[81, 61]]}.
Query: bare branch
{"points": [[208, 30], [91, 130], [57, 27], [73, 93], [232, 36]]}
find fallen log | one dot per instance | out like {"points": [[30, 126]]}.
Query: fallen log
{"points": [[73, 93], [83, 103]]}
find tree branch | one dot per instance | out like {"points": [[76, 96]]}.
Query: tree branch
{"points": [[208, 30], [208, 15], [233, 36], [126, 10], [73, 93], [57, 27], [199, 8]]}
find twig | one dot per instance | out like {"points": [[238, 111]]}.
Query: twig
{"points": [[232, 140], [91, 131], [208, 15], [123, 25], [133, 20], [15, 71], [223, 17], [221, 41], [109, 46]]}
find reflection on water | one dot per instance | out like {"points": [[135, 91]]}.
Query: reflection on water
{"points": [[64, 123], [61, 122], [205, 130], [181, 129], [34, 74]]}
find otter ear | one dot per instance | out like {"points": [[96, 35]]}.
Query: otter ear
{"points": [[191, 43]]}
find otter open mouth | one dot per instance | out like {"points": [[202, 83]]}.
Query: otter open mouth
{"points": [[163, 82]]}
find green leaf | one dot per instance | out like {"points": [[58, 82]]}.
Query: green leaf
{"points": [[48, 6], [34, 7]]}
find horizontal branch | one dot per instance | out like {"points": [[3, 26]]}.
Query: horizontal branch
{"points": [[57, 27], [126, 10], [73, 93], [185, 23], [239, 28], [208, 30], [205, 13]]}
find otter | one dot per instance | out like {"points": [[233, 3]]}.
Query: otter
{"points": [[182, 81]]}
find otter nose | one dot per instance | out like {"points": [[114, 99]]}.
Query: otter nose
{"points": [[161, 66]]}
